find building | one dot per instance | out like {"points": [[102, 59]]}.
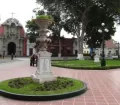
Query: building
{"points": [[12, 38], [53, 47], [66, 46], [69, 47], [112, 47], [30, 48]]}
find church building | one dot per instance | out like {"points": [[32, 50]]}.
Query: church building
{"points": [[12, 38]]}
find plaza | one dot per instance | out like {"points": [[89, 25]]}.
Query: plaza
{"points": [[103, 85], [85, 67]]}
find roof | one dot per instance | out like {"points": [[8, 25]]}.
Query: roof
{"points": [[9, 21]]}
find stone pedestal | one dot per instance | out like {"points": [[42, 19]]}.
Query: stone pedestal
{"points": [[97, 58], [80, 57], [59, 55], [109, 56], [43, 72]]}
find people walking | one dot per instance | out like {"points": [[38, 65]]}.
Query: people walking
{"points": [[3, 55], [12, 55], [32, 60], [36, 60]]}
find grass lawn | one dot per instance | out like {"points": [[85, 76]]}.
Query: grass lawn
{"points": [[26, 86], [85, 63]]}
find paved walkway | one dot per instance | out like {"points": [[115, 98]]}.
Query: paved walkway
{"points": [[7, 59], [103, 86]]}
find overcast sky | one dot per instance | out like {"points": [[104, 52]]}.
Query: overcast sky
{"points": [[22, 9], [23, 12]]}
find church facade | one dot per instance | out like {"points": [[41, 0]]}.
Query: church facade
{"points": [[12, 38]]}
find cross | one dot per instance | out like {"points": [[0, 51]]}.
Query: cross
{"points": [[12, 14]]}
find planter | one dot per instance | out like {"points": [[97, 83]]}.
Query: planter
{"points": [[43, 23]]}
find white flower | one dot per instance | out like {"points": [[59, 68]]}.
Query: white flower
{"points": [[103, 24], [100, 31]]}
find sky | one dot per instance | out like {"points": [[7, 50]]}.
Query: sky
{"points": [[23, 11]]}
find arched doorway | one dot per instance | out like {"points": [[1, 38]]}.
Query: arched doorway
{"points": [[11, 48]]}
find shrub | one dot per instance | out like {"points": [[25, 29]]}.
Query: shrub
{"points": [[86, 54], [18, 82], [87, 68], [44, 17], [61, 83]]}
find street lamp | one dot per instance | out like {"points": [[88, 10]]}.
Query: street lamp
{"points": [[97, 42], [118, 49], [102, 30]]}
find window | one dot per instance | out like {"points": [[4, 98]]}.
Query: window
{"points": [[12, 27]]}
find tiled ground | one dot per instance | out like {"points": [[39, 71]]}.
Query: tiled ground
{"points": [[103, 86]]}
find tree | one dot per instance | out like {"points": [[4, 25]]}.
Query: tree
{"points": [[32, 30], [93, 37], [32, 27], [78, 10], [56, 27]]}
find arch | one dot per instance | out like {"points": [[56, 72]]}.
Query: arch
{"points": [[13, 25], [11, 48]]}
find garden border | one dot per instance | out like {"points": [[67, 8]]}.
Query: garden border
{"points": [[43, 97], [88, 68]]}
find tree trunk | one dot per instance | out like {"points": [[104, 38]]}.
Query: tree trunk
{"points": [[81, 36], [80, 44], [59, 53]]}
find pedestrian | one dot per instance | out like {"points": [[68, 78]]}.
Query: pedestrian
{"points": [[3, 55], [32, 60], [15, 55], [12, 55], [92, 55], [36, 60]]}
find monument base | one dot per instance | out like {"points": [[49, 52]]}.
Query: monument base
{"points": [[96, 58], [59, 55], [43, 78], [80, 57], [43, 73]]}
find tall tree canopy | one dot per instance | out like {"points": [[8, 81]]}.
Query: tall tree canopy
{"points": [[32, 30], [92, 34], [77, 11]]}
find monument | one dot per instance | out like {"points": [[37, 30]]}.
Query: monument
{"points": [[109, 56], [96, 57], [43, 72]]}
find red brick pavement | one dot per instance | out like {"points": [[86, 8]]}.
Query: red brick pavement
{"points": [[103, 86]]}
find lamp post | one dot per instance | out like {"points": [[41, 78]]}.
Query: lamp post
{"points": [[103, 30], [97, 42]]}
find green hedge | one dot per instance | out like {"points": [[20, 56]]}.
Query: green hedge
{"points": [[88, 68]]}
